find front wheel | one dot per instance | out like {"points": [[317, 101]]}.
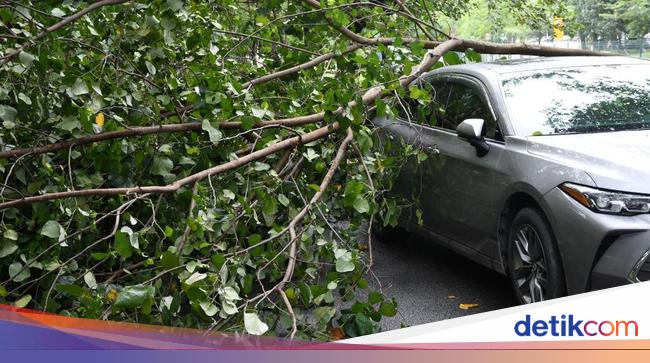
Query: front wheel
{"points": [[533, 260]]}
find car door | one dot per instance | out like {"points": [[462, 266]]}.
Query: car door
{"points": [[460, 200]]}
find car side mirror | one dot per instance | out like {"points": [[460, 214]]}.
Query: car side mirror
{"points": [[472, 131]]}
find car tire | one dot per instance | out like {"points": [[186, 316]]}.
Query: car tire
{"points": [[533, 261]]}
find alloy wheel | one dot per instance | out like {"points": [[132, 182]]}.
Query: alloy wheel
{"points": [[530, 271]]}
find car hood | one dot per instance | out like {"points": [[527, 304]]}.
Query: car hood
{"points": [[614, 160]]}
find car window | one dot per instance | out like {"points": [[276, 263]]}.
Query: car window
{"points": [[425, 103], [465, 102], [446, 104]]}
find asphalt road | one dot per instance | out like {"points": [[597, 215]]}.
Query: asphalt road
{"points": [[429, 282]]}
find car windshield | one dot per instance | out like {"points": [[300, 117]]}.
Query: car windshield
{"points": [[579, 100]]}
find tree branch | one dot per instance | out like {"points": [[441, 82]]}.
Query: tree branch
{"points": [[301, 67], [64, 22], [293, 247], [148, 130], [169, 188], [481, 47]]}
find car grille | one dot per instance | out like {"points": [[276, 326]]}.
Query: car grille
{"points": [[644, 271]]}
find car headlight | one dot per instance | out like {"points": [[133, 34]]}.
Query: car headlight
{"points": [[607, 201]]}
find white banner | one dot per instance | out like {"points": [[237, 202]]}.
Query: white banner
{"points": [[619, 313]]}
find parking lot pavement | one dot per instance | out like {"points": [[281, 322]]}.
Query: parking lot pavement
{"points": [[429, 282]]}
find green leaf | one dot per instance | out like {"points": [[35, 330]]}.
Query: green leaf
{"points": [[218, 260], [311, 154], [133, 237], [254, 325], [344, 261], [26, 59], [123, 244], [8, 113], [259, 166], [70, 289], [247, 122], [258, 112], [375, 298], [361, 205], [23, 301], [387, 309], [69, 124], [57, 12], [208, 308], [169, 260], [195, 277], [15, 272], [283, 200], [80, 87], [23, 97], [452, 58], [363, 283], [473, 55], [7, 248], [89, 279], [175, 5], [358, 325], [132, 297], [214, 133], [53, 230], [10, 234], [324, 313], [269, 210], [161, 166], [150, 68]]}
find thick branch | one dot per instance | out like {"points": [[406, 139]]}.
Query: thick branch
{"points": [[65, 21], [481, 47], [169, 188], [148, 130]]}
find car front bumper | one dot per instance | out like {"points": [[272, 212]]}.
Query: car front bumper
{"points": [[598, 250]]}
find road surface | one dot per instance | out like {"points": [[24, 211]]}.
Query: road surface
{"points": [[429, 282]]}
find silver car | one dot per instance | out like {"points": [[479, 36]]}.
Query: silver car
{"points": [[536, 168]]}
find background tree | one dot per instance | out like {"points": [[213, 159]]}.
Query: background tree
{"points": [[634, 14], [207, 163]]}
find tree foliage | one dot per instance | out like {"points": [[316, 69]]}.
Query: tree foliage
{"points": [[205, 164]]}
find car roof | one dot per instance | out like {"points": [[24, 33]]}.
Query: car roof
{"points": [[540, 63]]}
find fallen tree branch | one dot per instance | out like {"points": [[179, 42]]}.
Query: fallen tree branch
{"points": [[479, 46], [461, 44], [429, 60], [65, 21], [169, 188], [293, 243], [149, 130]]}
